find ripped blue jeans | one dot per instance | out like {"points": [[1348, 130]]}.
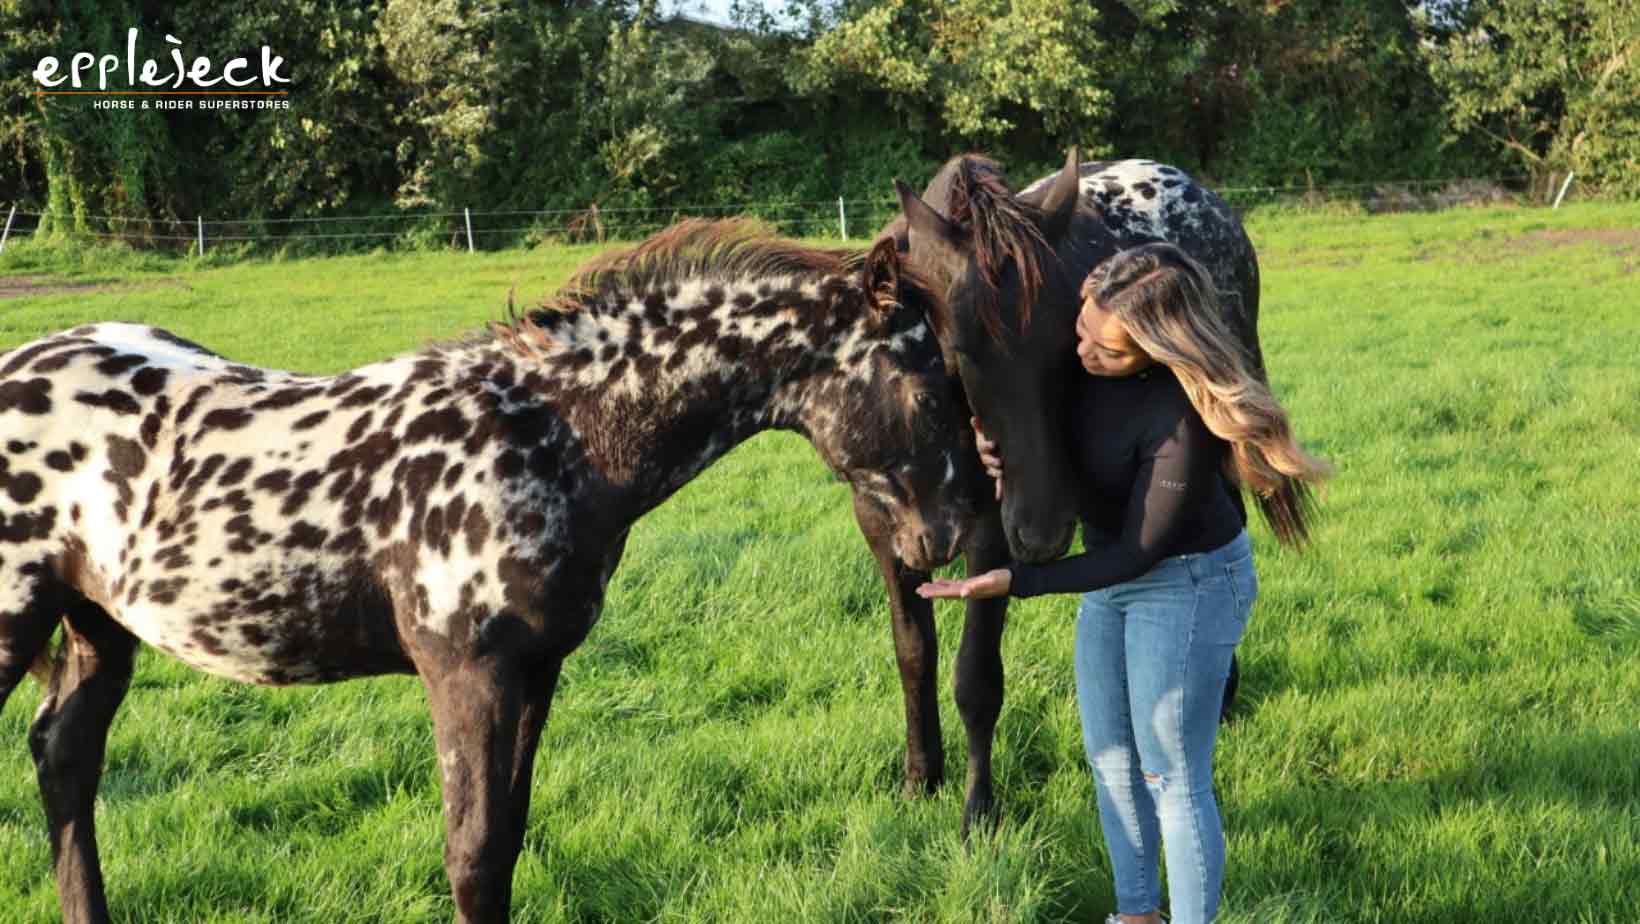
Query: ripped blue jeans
{"points": [[1152, 657]]}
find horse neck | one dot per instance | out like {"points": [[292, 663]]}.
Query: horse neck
{"points": [[657, 386]]}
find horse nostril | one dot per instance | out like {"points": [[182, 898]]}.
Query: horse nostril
{"points": [[1037, 545], [926, 541]]}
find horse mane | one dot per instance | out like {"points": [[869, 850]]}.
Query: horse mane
{"points": [[729, 248], [722, 249], [1001, 227]]}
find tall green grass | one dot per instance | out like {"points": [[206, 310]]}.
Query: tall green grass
{"points": [[1440, 713]]}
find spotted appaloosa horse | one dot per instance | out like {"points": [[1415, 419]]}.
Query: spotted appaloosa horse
{"points": [[1010, 267], [455, 512]]}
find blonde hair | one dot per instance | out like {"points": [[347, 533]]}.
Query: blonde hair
{"points": [[1169, 306]]}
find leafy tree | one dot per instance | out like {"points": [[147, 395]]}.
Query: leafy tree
{"points": [[652, 110], [1555, 85], [330, 152], [1274, 92], [330, 148], [993, 69], [533, 104], [560, 104], [469, 72], [22, 169], [94, 162]]}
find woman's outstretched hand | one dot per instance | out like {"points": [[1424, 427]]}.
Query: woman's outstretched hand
{"points": [[994, 583], [988, 455]]}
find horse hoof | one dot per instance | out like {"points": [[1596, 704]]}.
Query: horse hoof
{"points": [[980, 815], [920, 787]]}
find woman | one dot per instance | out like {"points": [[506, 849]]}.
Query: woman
{"points": [[1168, 426]]}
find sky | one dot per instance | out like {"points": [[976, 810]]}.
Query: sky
{"points": [[712, 10]]}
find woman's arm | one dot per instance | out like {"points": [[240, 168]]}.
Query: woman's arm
{"points": [[1177, 472], [1176, 477]]}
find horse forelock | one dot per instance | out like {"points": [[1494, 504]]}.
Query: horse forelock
{"points": [[1002, 228]]}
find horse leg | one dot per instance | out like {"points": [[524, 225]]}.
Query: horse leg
{"points": [[68, 739], [979, 670], [25, 630], [916, 648], [487, 719]]}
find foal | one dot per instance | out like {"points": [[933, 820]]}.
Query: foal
{"points": [[455, 512]]}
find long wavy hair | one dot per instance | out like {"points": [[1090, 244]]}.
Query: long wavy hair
{"points": [[1169, 306]]}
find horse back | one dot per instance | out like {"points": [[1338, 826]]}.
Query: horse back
{"points": [[1140, 201], [260, 525]]}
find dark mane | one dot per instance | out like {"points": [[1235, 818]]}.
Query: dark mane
{"points": [[731, 248], [719, 249], [725, 249], [1002, 228]]}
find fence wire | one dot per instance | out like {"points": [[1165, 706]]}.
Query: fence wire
{"points": [[857, 218]]}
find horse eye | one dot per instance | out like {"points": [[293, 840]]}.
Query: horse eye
{"points": [[923, 418]]}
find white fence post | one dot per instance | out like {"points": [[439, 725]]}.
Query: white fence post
{"points": [[7, 233], [842, 220], [200, 219], [1563, 187], [469, 213]]}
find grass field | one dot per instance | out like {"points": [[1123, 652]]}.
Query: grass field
{"points": [[1440, 714]]}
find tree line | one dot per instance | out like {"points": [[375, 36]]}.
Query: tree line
{"points": [[522, 104]]}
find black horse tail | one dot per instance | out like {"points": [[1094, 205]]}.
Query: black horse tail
{"points": [[1289, 509]]}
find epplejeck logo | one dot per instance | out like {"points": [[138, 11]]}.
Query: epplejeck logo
{"points": [[169, 84]]}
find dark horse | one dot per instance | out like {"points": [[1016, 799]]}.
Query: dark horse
{"points": [[1010, 267], [454, 513]]}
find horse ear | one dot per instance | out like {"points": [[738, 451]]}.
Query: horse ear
{"points": [[896, 231], [882, 274], [924, 225], [1060, 204]]}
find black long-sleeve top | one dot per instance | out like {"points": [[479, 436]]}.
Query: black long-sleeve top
{"points": [[1153, 484]]}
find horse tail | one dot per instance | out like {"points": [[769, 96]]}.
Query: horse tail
{"points": [[1289, 510]]}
